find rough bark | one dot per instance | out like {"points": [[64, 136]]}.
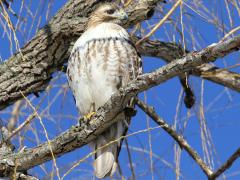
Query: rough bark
{"points": [[171, 51], [221, 76], [31, 69], [80, 135]]}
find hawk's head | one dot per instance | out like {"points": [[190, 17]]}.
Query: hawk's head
{"points": [[107, 13]]}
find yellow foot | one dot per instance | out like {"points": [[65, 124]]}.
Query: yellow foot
{"points": [[89, 115]]}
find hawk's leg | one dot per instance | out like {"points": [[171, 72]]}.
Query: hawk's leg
{"points": [[88, 116]]}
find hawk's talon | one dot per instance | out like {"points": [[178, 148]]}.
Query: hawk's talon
{"points": [[88, 116]]}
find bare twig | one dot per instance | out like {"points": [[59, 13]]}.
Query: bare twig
{"points": [[130, 160], [160, 22], [15, 113], [226, 165], [45, 131], [178, 138], [106, 145], [230, 33], [21, 126]]}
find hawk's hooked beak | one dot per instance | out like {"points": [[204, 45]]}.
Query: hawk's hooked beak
{"points": [[122, 15]]}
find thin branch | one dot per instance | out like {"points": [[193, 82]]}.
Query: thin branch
{"points": [[231, 33], [14, 116], [130, 160], [160, 22], [226, 165], [21, 126], [171, 51], [45, 132], [178, 138]]}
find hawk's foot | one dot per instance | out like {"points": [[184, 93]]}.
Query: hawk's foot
{"points": [[88, 116]]}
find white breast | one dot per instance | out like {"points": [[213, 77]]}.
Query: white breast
{"points": [[98, 64], [103, 30]]}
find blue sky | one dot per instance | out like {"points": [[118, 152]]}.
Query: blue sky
{"points": [[220, 105]]}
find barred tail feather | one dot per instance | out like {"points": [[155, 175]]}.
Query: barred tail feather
{"points": [[105, 164], [106, 158]]}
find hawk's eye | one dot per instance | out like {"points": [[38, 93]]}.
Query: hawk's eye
{"points": [[110, 11]]}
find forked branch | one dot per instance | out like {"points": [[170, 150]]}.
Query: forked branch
{"points": [[79, 136]]}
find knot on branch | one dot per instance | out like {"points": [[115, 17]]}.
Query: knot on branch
{"points": [[6, 167]]}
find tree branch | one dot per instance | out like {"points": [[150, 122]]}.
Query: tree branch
{"points": [[31, 70], [78, 136], [178, 138], [171, 51], [183, 144], [220, 76], [226, 165], [51, 46]]}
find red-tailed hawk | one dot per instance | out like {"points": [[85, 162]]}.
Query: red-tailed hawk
{"points": [[102, 60]]}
